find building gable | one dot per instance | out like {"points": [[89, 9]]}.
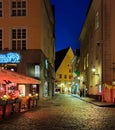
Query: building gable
{"points": [[64, 68]]}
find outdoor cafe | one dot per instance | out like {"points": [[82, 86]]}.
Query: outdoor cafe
{"points": [[17, 92]]}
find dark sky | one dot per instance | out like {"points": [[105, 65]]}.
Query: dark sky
{"points": [[69, 19]]}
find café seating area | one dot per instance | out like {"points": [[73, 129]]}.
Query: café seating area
{"points": [[18, 93], [12, 106]]}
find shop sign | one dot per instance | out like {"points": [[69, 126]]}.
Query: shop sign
{"points": [[10, 57]]}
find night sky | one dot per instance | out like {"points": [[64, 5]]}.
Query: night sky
{"points": [[69, 20]]}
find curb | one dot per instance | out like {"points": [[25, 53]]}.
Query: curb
{"points": [[100, 104]]}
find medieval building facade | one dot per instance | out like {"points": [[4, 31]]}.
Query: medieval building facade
{"points": [[97, 54]]}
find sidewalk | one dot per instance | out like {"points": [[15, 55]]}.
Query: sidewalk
{"points": [[94, 101]]}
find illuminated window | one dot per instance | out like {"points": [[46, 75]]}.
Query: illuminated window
{"points": [[18, 8], [33, 89], [0, 9], [22, 89], [37, 71], [46, 63], [87, 59], [19, 39], [85, 63], [46, 89], [97, 20], [0, 39], [99, 88]]}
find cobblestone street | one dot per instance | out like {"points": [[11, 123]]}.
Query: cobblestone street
{"points": [[63, 112]]}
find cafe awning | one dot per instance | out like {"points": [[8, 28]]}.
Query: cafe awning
{"points": [[14, 77]]}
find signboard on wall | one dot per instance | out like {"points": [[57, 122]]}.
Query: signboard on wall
{"points": [[10, 57]]}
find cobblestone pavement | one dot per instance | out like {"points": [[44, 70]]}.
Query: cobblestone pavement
{"points": [[63, 112]]}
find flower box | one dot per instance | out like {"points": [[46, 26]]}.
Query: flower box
{"points": [[10, 101]]}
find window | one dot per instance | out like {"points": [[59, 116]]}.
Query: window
{"points": [[60, 76], [0, 9], [85, 63], [19, 39], [0, 39], [65, 76], [97, 20], [70, 76], [87, 60], [70, 70], [37, 71], [18, 8]]}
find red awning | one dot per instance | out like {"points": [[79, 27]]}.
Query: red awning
{"points": [[7, 75]]}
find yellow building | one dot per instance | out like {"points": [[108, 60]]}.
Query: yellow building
{"points": [[64, 69], [27, 28]]}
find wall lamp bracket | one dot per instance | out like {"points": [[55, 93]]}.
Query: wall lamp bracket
{"points": [[96, 74]]}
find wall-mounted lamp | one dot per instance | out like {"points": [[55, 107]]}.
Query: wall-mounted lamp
{"points": [[94, 71], [78, 78]]}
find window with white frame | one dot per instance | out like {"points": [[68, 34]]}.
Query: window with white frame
{"points": [[18, 8], [19, 39]]}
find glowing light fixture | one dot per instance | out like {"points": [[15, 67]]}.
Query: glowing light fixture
{"points": [[36, 94], [94, 70], [29, 94], [78, 78]]}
